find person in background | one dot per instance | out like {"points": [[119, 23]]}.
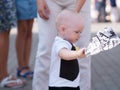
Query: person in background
{"points": [[64, 67], [47, 12], [7, 21], [100, 7], [26, 12], [114, 14]]}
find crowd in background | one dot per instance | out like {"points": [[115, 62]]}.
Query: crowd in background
{"points": [[105, 10]]}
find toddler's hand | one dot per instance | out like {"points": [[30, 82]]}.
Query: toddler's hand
{"points": [[82, 52]]}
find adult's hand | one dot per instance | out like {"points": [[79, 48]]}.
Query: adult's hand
{"points": [[79, 5], [43, 9]]}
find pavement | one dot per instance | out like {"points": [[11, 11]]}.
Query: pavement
{"points": [[105, 67]]}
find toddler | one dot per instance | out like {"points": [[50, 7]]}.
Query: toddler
{"points": [[64, 68]]}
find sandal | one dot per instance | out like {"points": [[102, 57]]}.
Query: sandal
{"points": [[10, 82], [27, 74]]}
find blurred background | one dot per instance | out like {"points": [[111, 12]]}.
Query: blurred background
{"points": [[105, 66], [105, 11]]}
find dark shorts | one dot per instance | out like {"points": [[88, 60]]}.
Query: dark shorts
{"points": [[64, 88], [7, 15]]}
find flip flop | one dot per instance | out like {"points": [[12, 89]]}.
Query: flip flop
{"points": [[9, 80]]}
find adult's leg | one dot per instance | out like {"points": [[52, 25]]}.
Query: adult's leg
{"points": [[4, 48], [47, 32], [85, 64], [28, 43], [23, 42], [114, 13], [113, 3]]}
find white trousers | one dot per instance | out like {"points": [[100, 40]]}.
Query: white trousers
{"points": [[47, 31]]}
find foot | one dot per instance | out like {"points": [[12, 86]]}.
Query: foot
{"points": [[25, 72], [12, 82]]}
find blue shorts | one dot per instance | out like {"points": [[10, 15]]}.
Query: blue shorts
{"points": [[26, 9]]}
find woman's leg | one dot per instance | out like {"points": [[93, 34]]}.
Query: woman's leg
{"points": [[28, 43], [47, 31], [23, 42], [4, 48]]}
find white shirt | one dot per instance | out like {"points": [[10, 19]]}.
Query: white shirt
{"points": [[55, 80]]}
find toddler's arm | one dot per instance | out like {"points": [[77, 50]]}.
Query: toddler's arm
{"points": [[70, 55]]}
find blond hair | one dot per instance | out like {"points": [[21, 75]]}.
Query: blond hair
{"points": [[66, 16]]}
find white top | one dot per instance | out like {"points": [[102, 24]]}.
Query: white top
{"points": [[55, 80]]}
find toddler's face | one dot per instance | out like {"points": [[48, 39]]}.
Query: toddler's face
{"points": [[72, 32], [70, 25]]}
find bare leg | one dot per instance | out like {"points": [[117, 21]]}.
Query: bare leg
{"points": [[23, 42], [28, 42], [4, 48], [20, 42]]}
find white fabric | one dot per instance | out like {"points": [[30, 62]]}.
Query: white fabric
{"points": [[55, 79], [85, 63], [47, 33]]}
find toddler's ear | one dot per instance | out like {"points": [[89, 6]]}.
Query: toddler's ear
{"points": [[62, 28]]}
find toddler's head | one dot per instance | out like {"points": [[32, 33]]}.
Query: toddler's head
{"points": [[69, 25]]}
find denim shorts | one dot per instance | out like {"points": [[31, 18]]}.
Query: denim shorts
{"points": [[26, 9]]}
